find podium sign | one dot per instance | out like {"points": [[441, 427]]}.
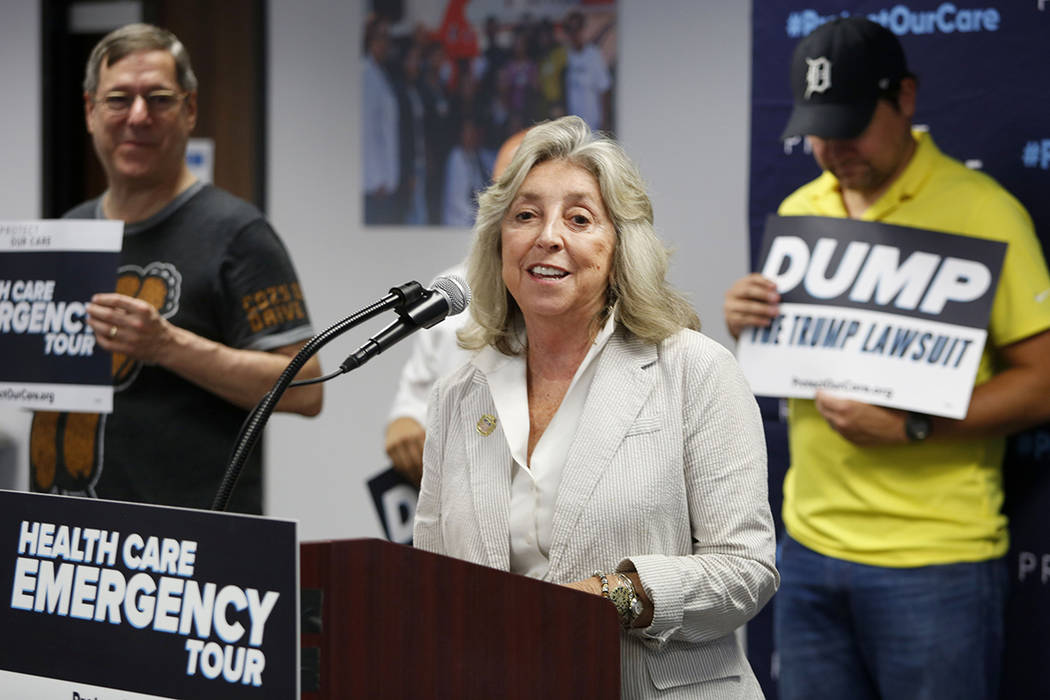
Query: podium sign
{"points": [[102, 599]]}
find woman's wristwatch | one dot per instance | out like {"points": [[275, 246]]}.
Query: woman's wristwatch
{"points": [[628, 605]]}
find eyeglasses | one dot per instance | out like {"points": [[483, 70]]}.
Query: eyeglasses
{"points": [[157, 101]]}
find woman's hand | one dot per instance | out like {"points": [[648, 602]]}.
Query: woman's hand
{"points": [[592, 585]]}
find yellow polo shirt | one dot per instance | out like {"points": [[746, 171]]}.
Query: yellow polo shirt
{"points": [[932, 502]]}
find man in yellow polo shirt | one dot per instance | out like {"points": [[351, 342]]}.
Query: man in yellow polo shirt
{"points": [[893, 570]]}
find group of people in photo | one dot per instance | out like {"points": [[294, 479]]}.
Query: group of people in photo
{"points": [[437, 111]]}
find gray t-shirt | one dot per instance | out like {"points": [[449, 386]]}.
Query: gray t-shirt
{"points": [[213, 265]]}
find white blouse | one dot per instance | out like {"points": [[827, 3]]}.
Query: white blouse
{"points": [[534, 486]]}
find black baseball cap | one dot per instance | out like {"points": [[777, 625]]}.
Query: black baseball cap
{"points": [[837, 75]]}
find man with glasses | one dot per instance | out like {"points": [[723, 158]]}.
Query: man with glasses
{"points": [[207, 310]]}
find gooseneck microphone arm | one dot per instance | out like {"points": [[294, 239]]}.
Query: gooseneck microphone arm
{"points": [[449, 296], [402, 296]]}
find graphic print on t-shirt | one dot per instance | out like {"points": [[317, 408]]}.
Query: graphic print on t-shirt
{"points": [[66, 449], [160, 284]]}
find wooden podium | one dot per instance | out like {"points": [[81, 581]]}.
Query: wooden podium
{"points": [[383, 620]]}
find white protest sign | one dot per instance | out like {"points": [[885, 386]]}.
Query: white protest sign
{"points": [[883, 314]]}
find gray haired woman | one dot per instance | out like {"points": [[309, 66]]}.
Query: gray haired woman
{"points": [[596, 439]]}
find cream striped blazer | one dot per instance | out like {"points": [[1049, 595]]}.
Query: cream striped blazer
{"points": [[666, 475]]}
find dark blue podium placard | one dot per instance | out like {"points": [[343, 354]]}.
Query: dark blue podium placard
{"points": [[102, 599]]}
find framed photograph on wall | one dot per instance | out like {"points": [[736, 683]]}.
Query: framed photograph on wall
{"points": [[444, 84]]}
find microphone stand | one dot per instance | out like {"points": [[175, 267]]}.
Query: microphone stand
{"points": [[399, 297]]}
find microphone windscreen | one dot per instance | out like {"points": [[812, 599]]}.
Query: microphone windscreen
{"points": [[455, 290]]}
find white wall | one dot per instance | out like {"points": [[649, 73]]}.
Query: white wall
{"points": [[20, 175], [683, 116]]}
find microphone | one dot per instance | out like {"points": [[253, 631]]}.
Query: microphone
{"points": [[449, 296]]}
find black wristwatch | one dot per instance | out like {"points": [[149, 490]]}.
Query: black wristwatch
{"points": [[917, 426]]}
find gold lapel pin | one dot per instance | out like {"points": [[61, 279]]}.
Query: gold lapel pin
{"points": [[486, 424]]}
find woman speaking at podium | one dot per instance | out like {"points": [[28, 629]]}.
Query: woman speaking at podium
{"points": [[596, 439]]}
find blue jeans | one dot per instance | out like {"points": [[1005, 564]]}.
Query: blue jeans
{"points": [[846, 631]]}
